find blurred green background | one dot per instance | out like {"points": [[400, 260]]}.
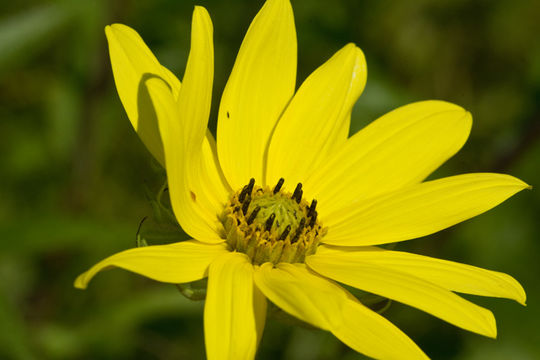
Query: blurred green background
{"points": [[74, 176]]}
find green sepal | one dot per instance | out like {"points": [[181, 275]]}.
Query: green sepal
{"points": [[161, 227], [141, 242], [195, 290], [161, 206], [376, 303]]}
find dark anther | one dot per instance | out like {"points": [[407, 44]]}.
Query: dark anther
{"points": [[279, 185], [313, 219], [312, 208], [243, 194], [245, 205], [269, 222], [297, 194], [236, 208], [299, 197], [246, 190], [253, 215], [299, 230], [285, 233], [251, 184]]}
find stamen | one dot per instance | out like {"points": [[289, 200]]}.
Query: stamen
{"points": [[246, 190], [251, 184], [311, 209], [297, 194], [270, 222], [243, 194], [285, 233], [246, 203], [278, 185], [253, 215], [299, 230], [313, 219]]}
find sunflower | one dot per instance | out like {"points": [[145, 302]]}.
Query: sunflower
{"points": [[285, 207]]}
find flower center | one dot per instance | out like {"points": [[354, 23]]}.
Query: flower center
{"points": [[270, 225]]}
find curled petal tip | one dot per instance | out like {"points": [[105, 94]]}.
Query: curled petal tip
{"points": [[521, 297], [80, 283], [198, 9]]}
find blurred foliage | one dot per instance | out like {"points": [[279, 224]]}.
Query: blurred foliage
{"points": [[75, 176]]}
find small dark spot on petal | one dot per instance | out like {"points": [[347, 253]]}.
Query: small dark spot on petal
{"points": [[193, 196], [228, 115]]}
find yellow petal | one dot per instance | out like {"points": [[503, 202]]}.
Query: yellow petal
{"points": [[194, 100], [176, 263], [132, 61], [401, 148], [235, 310], [194, 215], [260, 86], [196, 93], [322, 303], [420, 209], [447, 274], [195, 183], [369, 333], [407, 289], [211, 182], [357, 85], [313, 122]]}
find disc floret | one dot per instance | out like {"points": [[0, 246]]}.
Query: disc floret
{"points": [[271, 225]]}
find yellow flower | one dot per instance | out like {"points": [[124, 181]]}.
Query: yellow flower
{"points": [[248, 200]]}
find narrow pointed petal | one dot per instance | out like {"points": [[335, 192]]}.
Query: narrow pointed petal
{"points": [[447, 274], [399, 149], [196, 217], [324, 304], [260, 86], [419, 210], [194, 101], [176, 263], [407, 289], [196, 187], [132, 62], [357, 84], [313, 122], [195, 95], [235, 310]]}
